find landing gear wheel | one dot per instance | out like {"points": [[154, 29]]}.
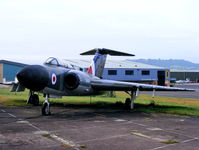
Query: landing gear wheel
{"points": [[35, 99], [128, 104], [30, 100], [46, 109]]}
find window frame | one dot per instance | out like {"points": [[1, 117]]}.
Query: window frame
{"points": [[129, 72], [145, 72], [112, 74]]}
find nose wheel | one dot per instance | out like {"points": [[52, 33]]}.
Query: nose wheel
{"points": [[46, 107]]}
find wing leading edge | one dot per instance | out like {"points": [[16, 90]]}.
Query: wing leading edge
{"points": [[111, 85]]}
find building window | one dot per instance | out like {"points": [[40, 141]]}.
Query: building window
{"points": [[112, 72], [145, 72], [129, 72]]}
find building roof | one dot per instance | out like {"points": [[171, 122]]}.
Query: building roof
{"points": [[12, 63], [112, 64], [109, 64], [184, 71]]}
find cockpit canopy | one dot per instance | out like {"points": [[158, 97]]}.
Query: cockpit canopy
{"points": [[56, 62], [52, 61]]}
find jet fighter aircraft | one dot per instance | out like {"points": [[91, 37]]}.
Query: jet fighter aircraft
{"points": [[57, 79]]}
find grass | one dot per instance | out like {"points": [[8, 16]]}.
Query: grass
{"points": [[144, 103], [169, 142], [47, 136], [83, 146]]}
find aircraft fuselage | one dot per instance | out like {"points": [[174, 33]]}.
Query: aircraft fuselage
{"points": [[56, 80]]}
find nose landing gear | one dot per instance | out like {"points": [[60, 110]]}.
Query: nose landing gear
{"points": [[46, 107]]}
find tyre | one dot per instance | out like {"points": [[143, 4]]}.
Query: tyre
{"points": [[30, 100], [35, 99], [46, 109], [128, 104]]}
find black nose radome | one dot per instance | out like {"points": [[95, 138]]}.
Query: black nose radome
{"points": [[34, 77]]}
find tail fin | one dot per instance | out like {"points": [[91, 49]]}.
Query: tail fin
{"points": [[97, 65]]}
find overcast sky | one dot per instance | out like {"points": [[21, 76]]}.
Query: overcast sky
{"points": [[33, 30]]}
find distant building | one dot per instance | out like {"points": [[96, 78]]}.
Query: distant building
{"points": [[124, 70], [9, 69], [192, 75]]}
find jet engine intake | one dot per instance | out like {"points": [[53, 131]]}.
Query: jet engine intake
{"points": [[71, 81]]}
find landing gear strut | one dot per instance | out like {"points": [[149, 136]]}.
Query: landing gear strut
{"points": [[46, 107], [33, 99], [129, 103]]}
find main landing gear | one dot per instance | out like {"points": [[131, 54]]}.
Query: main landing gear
{"points": [[46, 107], [33, 99], [129, 102]]}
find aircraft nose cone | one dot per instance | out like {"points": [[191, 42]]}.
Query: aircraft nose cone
{"points": [[33, 77]]}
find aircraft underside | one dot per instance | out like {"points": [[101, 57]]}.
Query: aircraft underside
{"points": [[34, 98]]}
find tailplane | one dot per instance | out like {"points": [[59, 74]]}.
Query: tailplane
{"points": [[97, 65]]}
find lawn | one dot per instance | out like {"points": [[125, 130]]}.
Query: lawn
{"points": [[143, 103]]}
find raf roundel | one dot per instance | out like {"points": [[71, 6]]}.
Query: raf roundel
{"points": [[54, 79]]}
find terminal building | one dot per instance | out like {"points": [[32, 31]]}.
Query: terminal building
{"points": [[121, 70]]}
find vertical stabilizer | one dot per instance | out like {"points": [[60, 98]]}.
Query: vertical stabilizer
{"points": [[97, 65]]}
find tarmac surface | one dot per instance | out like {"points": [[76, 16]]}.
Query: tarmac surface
{"points": [[3, 86], [95, 129], [89, 128], [194, 95]]}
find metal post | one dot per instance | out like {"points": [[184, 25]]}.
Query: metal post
{"points": [[137, 92], [153, 93], [133, 97]]}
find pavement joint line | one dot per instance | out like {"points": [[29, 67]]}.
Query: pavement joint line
{"points": [[131, 122], [108, 125], [67, 142], [57, 138], [170, 131], [100, 115], [123, 123], [139, 124], [30, 124], [186, 141], [161, 147], [3, 110], [12, 115], [24, 120], [101, 139], [154, 129]]}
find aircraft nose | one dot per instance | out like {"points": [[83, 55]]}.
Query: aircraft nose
{"points": [[33, 77]]}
